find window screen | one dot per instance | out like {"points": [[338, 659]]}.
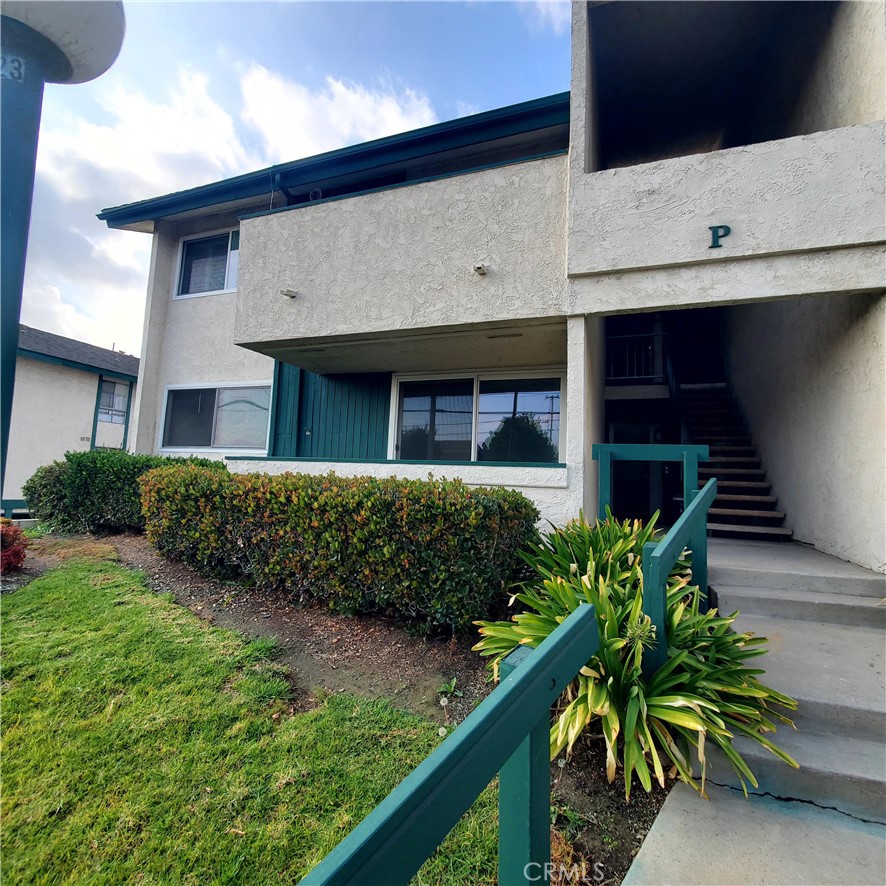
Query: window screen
{"points": [[204, 265]]}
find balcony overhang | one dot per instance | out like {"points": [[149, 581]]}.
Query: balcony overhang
{"points": [[487, 346]]}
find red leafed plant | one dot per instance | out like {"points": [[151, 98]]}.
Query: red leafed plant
{"points": [[12, 546]]}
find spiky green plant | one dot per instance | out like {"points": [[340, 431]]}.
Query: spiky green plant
{"points": [[704, 691]]}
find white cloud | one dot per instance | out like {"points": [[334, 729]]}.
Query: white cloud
{"points": [[88, 282], [465, 109], [295, 122], [554, 15]]}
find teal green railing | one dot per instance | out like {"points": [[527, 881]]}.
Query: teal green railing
{"points": [[508, 734], [690, 531], [607, 453]]}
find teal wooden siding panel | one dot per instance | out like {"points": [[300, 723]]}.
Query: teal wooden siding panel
{"points": [[285, 421], [330, 416]]}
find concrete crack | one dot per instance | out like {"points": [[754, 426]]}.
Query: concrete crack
{"points": [[797, 800]]}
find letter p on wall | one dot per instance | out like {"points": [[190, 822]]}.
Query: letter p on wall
{"points": [[718, 232]]}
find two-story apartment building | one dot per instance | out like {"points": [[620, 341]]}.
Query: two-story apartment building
{"points": [[689, 245]]}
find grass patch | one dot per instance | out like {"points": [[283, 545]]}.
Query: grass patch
{"points": [[142, 745]]}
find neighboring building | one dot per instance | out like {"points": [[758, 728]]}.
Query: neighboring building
{"points": [[693, 236], [69, 396]]}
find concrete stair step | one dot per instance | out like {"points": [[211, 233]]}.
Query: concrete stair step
{"points": [[732, 472], [758, 841], [726, 483], [748, 500], [732, 460], [846, 609], [723, 449], [838, 771], [749, 513], [835, 671], [721, 439], [746, 529], [792, 567]]}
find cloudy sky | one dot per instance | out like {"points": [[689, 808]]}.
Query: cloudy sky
{"points": [[206, 90]]}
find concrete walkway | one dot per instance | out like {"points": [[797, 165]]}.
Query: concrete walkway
{"points": [[730, 840], [824, 823]]}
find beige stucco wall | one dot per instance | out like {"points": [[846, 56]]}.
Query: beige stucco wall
{"points": [[404, 258], [186, 341], [52, 413], [848, 81], [793, 195], [811, 377]]}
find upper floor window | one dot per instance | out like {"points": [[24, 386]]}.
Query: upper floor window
{"points": [[113, 401], [478, 418], [209, 264]]}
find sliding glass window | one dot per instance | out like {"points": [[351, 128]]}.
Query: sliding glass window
{"points": [[479, 419]]}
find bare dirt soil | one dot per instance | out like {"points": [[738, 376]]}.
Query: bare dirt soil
{"points": [[375, 657]]}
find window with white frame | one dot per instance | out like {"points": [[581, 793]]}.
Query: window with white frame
{"points": [[113, 400], [221, 418], [479, 418], [209, 264]]}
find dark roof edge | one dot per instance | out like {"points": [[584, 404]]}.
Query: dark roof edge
{"points": [[475, 129]]}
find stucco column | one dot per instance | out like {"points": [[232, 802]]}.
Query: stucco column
{"points": [[148, 400], [595, 381], [578, 412]]}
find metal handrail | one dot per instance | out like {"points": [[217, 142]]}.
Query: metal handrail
{"points": [[509, 734]]}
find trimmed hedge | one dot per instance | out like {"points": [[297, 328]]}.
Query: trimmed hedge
{"points": [[96, 490], [433, 552]]}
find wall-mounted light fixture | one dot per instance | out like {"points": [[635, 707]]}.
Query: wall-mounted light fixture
{"points": [[480, 270], [289, 293]]}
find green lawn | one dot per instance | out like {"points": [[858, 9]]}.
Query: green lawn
{"points": [[141, 745]]}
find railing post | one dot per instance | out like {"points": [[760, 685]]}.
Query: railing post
{"points": [[698, 544], [604, 490], [524, 799], [690, 476], [655, 605]]}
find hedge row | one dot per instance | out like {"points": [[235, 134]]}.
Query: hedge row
{"points": [[435, 553], [96, 491]]}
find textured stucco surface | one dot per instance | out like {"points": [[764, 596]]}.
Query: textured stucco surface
{"points": [[730, 282], [848, 81], [555, 491], [809, 192], [404, 258], [810, 375], [186, 341], [52, 412]]}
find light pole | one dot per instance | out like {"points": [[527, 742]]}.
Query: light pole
{"points": [[58, 41]]}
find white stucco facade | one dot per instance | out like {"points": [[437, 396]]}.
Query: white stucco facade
{"points": [[811, 377], [54, 411], [385, 281]]}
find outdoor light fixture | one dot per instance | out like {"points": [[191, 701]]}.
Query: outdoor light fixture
{"points": [[289, 293], [480, 270]]}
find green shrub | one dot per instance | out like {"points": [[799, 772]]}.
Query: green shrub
{"points": [[703, 691], [435, 553], [45, 494], [96, 490]]}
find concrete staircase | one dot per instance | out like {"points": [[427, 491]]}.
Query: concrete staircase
{"points": [[826, 624], [744, 506]]}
